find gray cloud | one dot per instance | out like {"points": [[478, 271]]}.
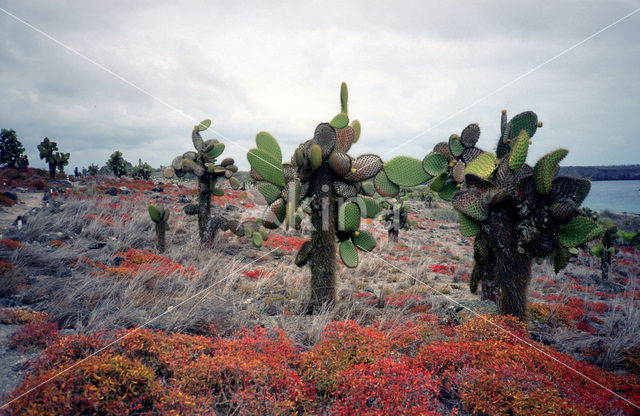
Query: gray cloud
{"points": [[258, 66]]}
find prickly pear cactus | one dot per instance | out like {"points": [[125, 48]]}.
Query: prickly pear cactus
{"points": [[322, 180], [516, 212], [159, 215], [55, 159], [202, 164]]}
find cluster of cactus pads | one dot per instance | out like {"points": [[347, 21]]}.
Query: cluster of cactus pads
{"points": [[322, 180], [516, 212], [160, 216], [202, 164]]}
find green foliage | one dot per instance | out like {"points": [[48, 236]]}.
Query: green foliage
{"points": [[56, 160], [117, 164], [93, 169], [141, 171], [11, 149]]}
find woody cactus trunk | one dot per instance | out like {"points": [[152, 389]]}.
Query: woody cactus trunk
{"points": [[517, 213], [202, 164], [324, 181]]}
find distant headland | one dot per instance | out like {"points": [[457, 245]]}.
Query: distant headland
{"points": [[603, 173]]}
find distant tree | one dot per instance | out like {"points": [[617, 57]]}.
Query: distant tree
{"points": [[93, 169], [48, 152], [10, 148], [142, 171], [117, 164]]}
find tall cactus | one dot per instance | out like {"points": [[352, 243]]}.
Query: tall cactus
{"points": [[322, 180], [202, 164], [516, 212], [48, 152], [160, 216]]}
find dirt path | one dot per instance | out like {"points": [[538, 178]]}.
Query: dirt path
{"points": [[26, 201]]}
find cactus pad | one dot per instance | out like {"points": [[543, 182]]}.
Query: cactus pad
{"points": [[564, 211], [349, 217], [191, 209], [527, 121], [560, 260], [266, 166], [348, 254], [274, 214], [364, 241], [303, 254], [157, 214], [470, 154], [364, 167], [545, 169], [325, 137], [268, 143], [357, 129], [448, 190], [256, 239], [340, 121], [344, 139], [217, 192], [369, 207], [443, 149], [481, 248], [575, 189], [470, 203], [435, 163], [193, 167], [455, 147], [407, 171], [438, 183], [344, 189], [384, 186], [457, 173], [470, 135], [215, 151], [578, 231], [204, 124], [519, 151], [340, 163], [482, 166], [468, 227], [344, 98], [368, 188]]}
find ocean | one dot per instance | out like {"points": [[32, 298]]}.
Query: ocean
{"points": [[616, 196]]}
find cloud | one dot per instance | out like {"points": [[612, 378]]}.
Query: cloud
{"points": [[260, 66]]}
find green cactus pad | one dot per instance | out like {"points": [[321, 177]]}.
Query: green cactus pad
{"points": [[545, 169], [575, 189], [519, 151], [482, 166], [527, 121], [217, 192], [469, 202], [406, 171], [448, 191], [256, 239], [364, 167], [344, 98], [348, 254], [155, 214], [564, 211], [470, 135], [268, 143], [560, 260], [315, 156], [443, 149], [344, 139], [349, 217], [266, 166], [578, 231], [364, 241], [340, 163], [204, 124], [292, 191], [435, 163], [193, 167], [455, 147], [437, 184], [340, 121], [470, 154], [215, 151], [369, 207], [269, 191], [468, 227], [596, 250], [384, 186], [357, 129], [368, 188], [303, 254], [191, 209], [274, 214], [457, 173]]}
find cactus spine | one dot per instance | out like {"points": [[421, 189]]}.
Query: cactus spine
{"points": [[326, 180], [160, 216]]}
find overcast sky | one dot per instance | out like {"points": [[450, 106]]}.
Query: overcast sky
{"points": [[414, 70]]}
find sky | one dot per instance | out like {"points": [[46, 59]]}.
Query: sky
{"points": [[98, 76]]}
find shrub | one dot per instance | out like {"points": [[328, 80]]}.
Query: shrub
{"points": [[35, 334]]}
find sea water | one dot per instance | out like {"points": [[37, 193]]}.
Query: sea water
{"points": [[616, 196]]}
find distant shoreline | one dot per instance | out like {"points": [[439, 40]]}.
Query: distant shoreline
{"points": [[603, 173]]}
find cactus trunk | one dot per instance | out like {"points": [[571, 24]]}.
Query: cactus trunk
{"points": [[322, 259], [52, 171], [513, 267], [161, 229], [204, 200]]}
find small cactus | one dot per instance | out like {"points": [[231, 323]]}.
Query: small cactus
{"points": [[142, 171], [334, 187], [202, 164], [117, 164], [160, 216]]}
